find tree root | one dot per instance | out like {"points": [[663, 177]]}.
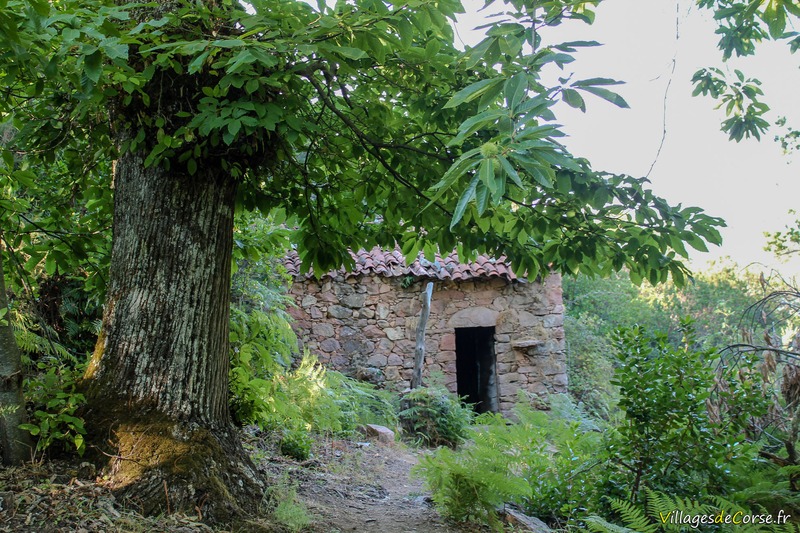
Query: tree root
{"points": [[163, 466]]}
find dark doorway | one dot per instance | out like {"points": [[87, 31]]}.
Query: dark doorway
{"points": [[475, 367]]}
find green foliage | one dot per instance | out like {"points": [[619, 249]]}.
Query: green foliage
{"points": [[292, 513], [741, 26], [668, 440], [285, 507], [282, 97], [789, 138], [296, 443], [740, 100], [589, 365], [608, 303], [262, 344], [666, 513], [468, 487], [787, 242], [433, 416], [53, 402], [563, 477], [317, 399], [55, 220], [769, 488], [543, 463], [684, 427], [716, 301], [49, 388]]}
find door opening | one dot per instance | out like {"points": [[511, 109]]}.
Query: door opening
{"points": [[476, 373]]}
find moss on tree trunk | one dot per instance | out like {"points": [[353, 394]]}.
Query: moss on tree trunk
{"points": [[159, 465]]}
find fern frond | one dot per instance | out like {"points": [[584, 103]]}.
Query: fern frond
{"points": [[786, 528], [596, 524], [633, 517], [31, 342]]}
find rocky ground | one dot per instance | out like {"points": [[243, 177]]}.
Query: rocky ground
{"points": [[366, 487]]}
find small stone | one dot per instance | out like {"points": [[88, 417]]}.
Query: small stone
{"points": [[560, 380], [354, 301], [395, 334], [448, 342], [377, 360], [382, 311], [380, 433], [554, 321], [373, 332], [395, 360], [322, 330], [337, 311], [87, 471], [522, 522], [329, 345], [370, 375], [7, 502]]}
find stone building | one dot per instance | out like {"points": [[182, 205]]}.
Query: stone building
{"points": [[489, 334]]}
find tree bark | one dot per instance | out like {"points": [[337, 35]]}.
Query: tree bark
{"points": [[15, 443], [157, 384]]}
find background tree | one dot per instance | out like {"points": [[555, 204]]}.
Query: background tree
{"points": [[15, 443], [363, 120]]}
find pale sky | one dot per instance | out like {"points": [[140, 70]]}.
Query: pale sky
{"points": [[751, 185]]}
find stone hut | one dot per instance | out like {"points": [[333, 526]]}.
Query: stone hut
{"points": [[489, 334]]}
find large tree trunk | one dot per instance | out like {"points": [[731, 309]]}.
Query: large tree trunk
{"points": [[157, 384], [15, 443]]}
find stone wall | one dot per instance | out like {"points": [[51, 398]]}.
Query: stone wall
{"points": [[365, 326]]}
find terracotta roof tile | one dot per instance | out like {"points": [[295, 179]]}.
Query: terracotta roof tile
{"points": [[392, 264]]}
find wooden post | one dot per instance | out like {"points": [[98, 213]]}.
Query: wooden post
{"points": [[419, 353]]}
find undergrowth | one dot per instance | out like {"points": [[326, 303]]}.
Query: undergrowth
{"points": [[541, 463], [50, 390], [672, 514], [284, 506], [434, 416]]}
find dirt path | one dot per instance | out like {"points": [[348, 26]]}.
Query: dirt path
{"points": [[352, 487]]}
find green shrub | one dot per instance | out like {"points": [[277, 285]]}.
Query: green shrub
{"points": [[434, 416], [361, 403], [664, 513], [262, 345], [296, 443], [285, 507], [668, 441], [53, 402], [317, 399], [542, 463], [471, 484]]}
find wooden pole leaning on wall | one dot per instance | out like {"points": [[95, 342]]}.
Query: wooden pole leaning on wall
{"points": [[419, 352]]}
